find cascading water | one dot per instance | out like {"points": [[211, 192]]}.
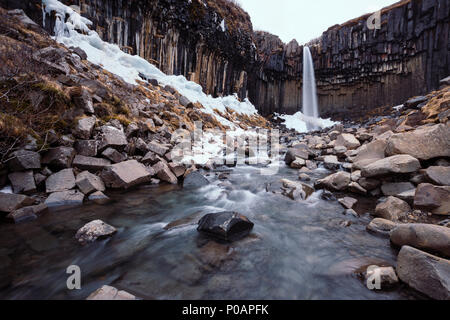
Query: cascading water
{"points": [[310, 105]]}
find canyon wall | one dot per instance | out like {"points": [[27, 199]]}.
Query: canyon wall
{"points": [[212, 43], [358, 69]]}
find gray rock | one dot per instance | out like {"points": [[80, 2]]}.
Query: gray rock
{"points": [[84, 101], [433, 198], [98, 197], [354, 187], [338, 181], [164, 173], [59, 158], [299, 151], [439, 175], [428, 237], [23, 182], [227, 226], [195, 180], [125, 175], [381, 226], [347, 140], [60, 181], [184, 101], [10, 202], [65, 198], [392, 209], [424, 272], [298, 163], [90, 163], [112, 137], [369, 153], [414, 102], [93, 231], [348, 202], [27, 213], [402, 190], [157, 148], [114, 155], [24, 160], [87, 148], [177, 169], [424, 143], [110, 293], [84, 127], [89, 183], [369, 184], [331, 163], [395, 164]]}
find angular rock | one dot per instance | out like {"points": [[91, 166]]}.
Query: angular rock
{"points": [[112, 138], [331, 163], [94, 230], [354, 187], [89, 183], [90, 163], [424, 143], [347, 140], [424, 272], [395, 164], [348, 202], [177, 169], [24, 160], [60, 181], [87, 148], [433, 198], [65, 198], [157, 148], [392, 209], [23, 182], [402, 190], [381, 226], [298, 163], [439, 175], [338, 181], [428, 237], [227, 226], [98, 197], [83, 100], [369, 184], [110, 293], [59, 158], [125, 175], [299, 151], [10, 202], [27, 213], [84, 127], [195, 180], [114, 155], [369, 153]]}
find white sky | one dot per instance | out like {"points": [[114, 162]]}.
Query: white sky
{"points": [[305, 20]]}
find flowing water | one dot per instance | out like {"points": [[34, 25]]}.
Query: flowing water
{"points": [[310, 105], [297, 250]]}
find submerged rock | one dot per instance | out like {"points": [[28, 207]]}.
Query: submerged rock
{"points": [[27, 213], [228, 226], [110, 293], [424, 272], [94, 230]]}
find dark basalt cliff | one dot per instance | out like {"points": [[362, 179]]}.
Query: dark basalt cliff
{"points": [[357, 69]]}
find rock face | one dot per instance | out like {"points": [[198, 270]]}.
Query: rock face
{"points": [[395, 164], [424, 272], [125, 175], [427, 237], [434, 198], [94, 230], [392, 209], [227, 226], [424, 143]]}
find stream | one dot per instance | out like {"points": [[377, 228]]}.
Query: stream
{"points": [[297, 249]]}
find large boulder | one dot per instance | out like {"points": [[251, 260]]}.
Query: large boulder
{"points": [[114, 155], [392, 209], [195, 180], [427, 237], [381, 226], [23, 182], [65, 198], [112, 137], [60, 181], [24, 160], [347, 140], [424, 143], [403, 190], [84, 127], [439, 175], [395, 164], [338, 181], [94, 230], [424, 272], [110, 293], [369, 153], [433, 198], [90, 163], [89, 183], [59, 158], [10, 202], [227, 226], [164, 173], [126, 174]]}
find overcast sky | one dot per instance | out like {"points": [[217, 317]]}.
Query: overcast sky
{"points": [[305, 20]]}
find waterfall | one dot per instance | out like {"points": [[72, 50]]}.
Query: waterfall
{"points": [[310, 105]]}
